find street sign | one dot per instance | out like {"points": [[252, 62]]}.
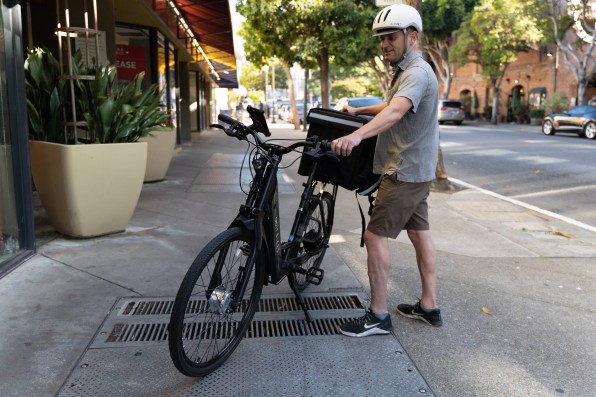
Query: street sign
{"points": [[384, 3]]}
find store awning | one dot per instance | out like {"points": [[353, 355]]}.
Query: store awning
{"points": [[210, 23]]}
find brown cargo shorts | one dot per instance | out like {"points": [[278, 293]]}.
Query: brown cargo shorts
{"points": [[399, 206]]}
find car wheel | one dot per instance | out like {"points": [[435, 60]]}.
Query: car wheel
{"points": [[441, 122], [548, 128], [590, 130], [458, 122]]}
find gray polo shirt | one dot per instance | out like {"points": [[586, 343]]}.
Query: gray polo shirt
{"points": [[411, 146]]}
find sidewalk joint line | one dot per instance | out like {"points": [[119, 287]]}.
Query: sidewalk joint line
{"points": [[525, 205]]}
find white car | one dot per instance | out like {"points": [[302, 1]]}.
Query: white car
{"points": [[451, 110]]}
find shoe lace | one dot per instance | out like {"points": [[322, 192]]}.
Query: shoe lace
{"points": [[367, 316]]}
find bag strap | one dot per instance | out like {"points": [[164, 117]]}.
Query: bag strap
{"points": [[371, 206]]}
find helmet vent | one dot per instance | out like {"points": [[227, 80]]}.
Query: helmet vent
{"points": [[386, 15]]}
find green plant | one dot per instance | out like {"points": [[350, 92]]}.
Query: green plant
{"points": [[46, 96], [113, 113], [121, 113], [537, 113], [521, 109], [556, 103]]}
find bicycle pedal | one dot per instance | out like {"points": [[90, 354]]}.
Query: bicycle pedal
{"points": [[315, 275]]}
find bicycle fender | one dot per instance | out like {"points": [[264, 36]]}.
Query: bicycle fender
{"points": [[251, 224]]}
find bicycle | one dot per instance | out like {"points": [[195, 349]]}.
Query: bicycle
{"points": [[220, 292]]}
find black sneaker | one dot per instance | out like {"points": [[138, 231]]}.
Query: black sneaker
{"points": [[429, 316], [367, 325]]}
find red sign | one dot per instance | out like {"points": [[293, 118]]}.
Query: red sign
{"points": [[130, 61]]}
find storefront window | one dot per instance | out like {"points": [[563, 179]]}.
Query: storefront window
{"points": [[16, 220], [133, 53], [9, 232], [166, 74]]}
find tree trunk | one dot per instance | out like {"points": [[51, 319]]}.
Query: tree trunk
{"points": [[495, 114], [292, 94], [323, 61]]}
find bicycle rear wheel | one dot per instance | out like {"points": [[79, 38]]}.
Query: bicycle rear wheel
{"points": [[205, 325], [318, 224]]}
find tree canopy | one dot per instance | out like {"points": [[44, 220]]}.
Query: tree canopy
{"points": [[492, 36]]}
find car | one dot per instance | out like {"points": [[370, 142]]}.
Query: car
{"points": [[286, 112], [580, 119], [450, 110]]}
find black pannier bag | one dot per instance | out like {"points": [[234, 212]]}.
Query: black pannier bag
{"points": [[353, 172]]}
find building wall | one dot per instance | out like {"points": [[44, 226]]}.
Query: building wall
{"points": [[531, 70]]}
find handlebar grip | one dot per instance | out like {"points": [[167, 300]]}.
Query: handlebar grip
{"points": [[227, 119], [326, 146]]}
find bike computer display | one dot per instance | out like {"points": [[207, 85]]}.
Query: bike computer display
{"points": [[258, 119]]}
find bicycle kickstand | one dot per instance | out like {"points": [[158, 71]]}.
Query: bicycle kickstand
{"points": [[301, 301]]}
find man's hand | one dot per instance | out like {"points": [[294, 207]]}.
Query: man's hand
{"points": [[344, 145], [349, 109]]}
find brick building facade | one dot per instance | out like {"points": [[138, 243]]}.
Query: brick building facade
{"points": [[535, 75]]}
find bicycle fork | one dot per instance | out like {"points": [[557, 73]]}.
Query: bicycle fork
{"points": [[222, 301]]}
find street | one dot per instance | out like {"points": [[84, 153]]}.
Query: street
{"points": [[554, 173]]}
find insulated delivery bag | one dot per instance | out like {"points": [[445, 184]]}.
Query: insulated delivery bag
{"points": [[353, 172]]}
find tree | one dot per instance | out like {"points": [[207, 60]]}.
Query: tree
{"points": [[492, 36], [335, 30], [268, 32], [575, 35], [440, 19]]}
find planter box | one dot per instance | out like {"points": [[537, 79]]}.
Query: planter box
{"points": [[160, 149], [88, 190]]}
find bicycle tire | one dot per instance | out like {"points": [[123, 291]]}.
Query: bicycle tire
{"points": [[204, 329], [316, 236]]}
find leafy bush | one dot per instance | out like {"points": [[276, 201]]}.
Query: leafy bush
{"points": [[537, 113], [556, 103], [346, 88]]}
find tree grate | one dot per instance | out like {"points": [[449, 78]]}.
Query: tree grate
{"points": [[157, 332], [137, 307]]}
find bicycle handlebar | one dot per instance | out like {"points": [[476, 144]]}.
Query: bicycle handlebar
{"points": [[241, 131]]}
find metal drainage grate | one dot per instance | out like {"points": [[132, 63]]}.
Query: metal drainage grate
{"points": [[157, 332], [136, 307]]}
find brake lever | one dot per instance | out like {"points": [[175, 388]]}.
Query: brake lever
{"points": [[323, 149]]}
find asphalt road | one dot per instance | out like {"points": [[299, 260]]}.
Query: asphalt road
{"points": [[554, 173]]}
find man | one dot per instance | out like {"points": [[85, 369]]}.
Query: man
{"points": [[406, 156]]}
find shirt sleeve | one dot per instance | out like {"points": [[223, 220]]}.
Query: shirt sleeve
{"points": [[412, 84]]}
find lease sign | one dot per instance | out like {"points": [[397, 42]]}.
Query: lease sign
{"points": [[130, 61]]}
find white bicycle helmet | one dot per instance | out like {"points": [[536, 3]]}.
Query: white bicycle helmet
{"points": [[395, 18]]}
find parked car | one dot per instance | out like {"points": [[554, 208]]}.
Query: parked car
{"points": [[580, 120], [287, 115], [451, 110]]}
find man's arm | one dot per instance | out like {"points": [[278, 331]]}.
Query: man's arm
{"points": [[372, 109], [388, 116]]}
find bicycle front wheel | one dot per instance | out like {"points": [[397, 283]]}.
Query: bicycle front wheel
{"points": [[318, 222], [207, 323]]}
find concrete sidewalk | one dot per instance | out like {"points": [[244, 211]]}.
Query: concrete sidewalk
{"points": [[517, 290]]}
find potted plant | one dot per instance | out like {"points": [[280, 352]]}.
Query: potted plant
{"points": [[88, 177], [520, 111], [536, 116], [160, 150]]}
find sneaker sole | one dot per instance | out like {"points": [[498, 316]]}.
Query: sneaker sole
{"points": [[372, 331], [419, 317]]}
